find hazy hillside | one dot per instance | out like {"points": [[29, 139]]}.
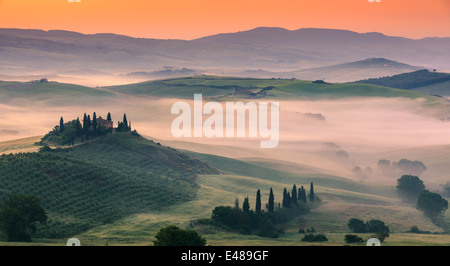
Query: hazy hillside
{"points": [[97, 57], [441, 88], [101, 181], [363, 69], [50, 93], [218, 87], [346, 72], [410, 80]]}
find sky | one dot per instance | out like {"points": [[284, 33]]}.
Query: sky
{"points": [[190, 19]]}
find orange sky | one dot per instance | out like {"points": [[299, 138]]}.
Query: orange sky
{"points": [[188, 19]]}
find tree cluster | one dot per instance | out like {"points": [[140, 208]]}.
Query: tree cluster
{"points": [[402, 167], [372, 226], [261, 221], [431, 204], [78, 131]]}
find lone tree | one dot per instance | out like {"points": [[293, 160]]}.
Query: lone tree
{"points": [[19, 215], [431, 204], [125, 122], [410, 185], [311, 192], [172, 235]]}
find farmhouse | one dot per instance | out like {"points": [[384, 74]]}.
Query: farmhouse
{"points": [[104, 123]]}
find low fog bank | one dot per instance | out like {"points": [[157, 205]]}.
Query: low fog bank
{"points": [[330, 136]]}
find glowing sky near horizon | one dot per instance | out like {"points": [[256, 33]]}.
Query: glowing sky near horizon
{"points": [[189, 19]]}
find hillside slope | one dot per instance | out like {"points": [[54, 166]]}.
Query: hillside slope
{"points": [[410, 80], [50, 93], [363, 69], [101, 181]]}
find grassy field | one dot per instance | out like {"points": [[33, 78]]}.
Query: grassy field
{"points": [[341, 199], [330, 218]]}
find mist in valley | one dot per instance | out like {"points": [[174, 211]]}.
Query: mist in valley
{"points": [[321, 136]]}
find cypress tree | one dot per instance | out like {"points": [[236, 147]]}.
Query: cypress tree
{"points": [[108, 117], [311, 193], [89, 124], [294, 195], [271, 203], [246, 205], [94, 124], [288, 200], [84, 123], [302, 194], [258, 202], [125, 122], [61, 125], [78, 128], [85, 126], [236, 203], [286, 203]]}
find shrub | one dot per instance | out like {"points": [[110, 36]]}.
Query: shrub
{"points": [[172, 235], [353, 239], [314, 238]]}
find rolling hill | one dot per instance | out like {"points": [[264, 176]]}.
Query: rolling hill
{"points": [[411, 80], [120, 190], [345, 72], [440, 88], [219, 87], [363, 69], [101, 181], [50, 93]]}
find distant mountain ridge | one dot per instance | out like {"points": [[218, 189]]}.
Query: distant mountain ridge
{"points": [[273, 49]]}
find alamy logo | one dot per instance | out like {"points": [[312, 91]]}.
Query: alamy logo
{"points": [[215, 126]]}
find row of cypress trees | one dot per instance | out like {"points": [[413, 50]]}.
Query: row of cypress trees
{"points": [[287, 202]]}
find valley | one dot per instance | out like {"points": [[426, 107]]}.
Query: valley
{"points": [[326, 131]]}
